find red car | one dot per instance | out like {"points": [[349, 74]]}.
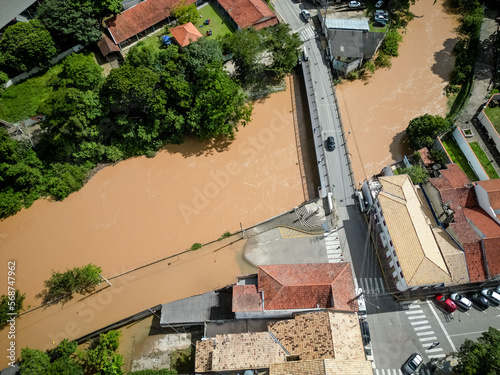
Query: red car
{"points": [[447, 304]]}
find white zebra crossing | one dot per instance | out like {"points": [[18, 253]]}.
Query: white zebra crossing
{"points": [[307, 33], [372, 285], [424, 331], [393, 371], [333, 247]]}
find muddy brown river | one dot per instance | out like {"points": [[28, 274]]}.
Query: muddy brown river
{"points": [[377, 112]]}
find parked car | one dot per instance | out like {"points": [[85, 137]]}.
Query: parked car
{"points": [[479, 300], [354, 4], [381, 19], [381, 12], [412, 364], [379, 4], [365, 332], [330, 144], [491, 295], [305, 13], [461, 301], [447, 304]]}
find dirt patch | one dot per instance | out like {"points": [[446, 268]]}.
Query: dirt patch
{"points": [[377, 112]]}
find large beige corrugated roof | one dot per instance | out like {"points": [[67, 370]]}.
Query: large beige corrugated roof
{"points": [[417, 251], [322, 367]]}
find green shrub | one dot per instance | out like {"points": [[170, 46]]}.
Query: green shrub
{"points": [[224, 235], [196, 246], [10, 305], [81, 280]]}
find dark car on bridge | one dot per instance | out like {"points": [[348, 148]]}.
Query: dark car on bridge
{"points": [[330, 144]]}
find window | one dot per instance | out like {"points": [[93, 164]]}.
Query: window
{"points": [[394, 253], [391, 243], [397, 262], [401, 274], [384, 223]]}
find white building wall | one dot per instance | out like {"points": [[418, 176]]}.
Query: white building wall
{"points": [[469, 154], [484, 201]]}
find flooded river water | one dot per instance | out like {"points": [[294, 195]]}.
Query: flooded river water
{"points": [[141, 210], [377, 112]]}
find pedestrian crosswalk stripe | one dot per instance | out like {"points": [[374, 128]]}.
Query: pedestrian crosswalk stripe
{"points": [[393, 371], [434, 350], [437, 356], [417, 317], [419, 322], [414, 312], [428, 338], [422, 328], [414, 306]]}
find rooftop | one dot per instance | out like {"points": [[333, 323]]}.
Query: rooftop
{"points": [[233, 352], [322, 334], [348, 24], [185, 34], [140, 17], [416, 248], [248, 13], [322, 367], [492, 187], [298, 286]]}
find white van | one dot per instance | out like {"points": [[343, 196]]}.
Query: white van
{"points": [[305, 13]]}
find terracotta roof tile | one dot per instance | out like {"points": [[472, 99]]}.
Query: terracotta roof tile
{"points": [[475, 263], [295, 286], [203, 355], [425, 155], [246, 298], [492, 250], [138, 18], [248, 13], [106, 45], [483, 221], [319, 335], [322, 367], [185, 34]]}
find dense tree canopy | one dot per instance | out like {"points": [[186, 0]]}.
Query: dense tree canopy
{"points": [[417, 174], [81, 72], [185, 13], [481, 357], [76, 21], [423, 130], [26, 45]]}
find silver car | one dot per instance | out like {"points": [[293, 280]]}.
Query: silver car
{"points": [[412, 364], [491, 295], [461, 301]]}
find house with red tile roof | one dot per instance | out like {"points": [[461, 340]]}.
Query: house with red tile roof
{"points": [[281, 290], [246, 13], [135, 22], [469, 211], [185, 34]]}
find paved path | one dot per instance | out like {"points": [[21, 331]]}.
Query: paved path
{"points": [[483, 73]]}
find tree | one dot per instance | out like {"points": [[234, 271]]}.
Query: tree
{"points": [[64, 362], [76, 21], [423, 130], [81, 72], [417, 174], [102, 358], [283, 46], [26, 45], [219, 105], [199, 54], [144, 55], [10, 305], [481, 357], [185, 13], [391, 41], [246, 46], [34, 362], [80, 280]]}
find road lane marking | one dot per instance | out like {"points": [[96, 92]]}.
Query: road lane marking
{"points": [[421, 328], [419, 323], [442, 326], [416, 306], [437, 356], [414, 312], [467, 333]]}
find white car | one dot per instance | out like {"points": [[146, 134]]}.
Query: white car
{"points": [[381, 19], [461, 301], [379, 4], [380, 12], [354, 4], [305, 13]]}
